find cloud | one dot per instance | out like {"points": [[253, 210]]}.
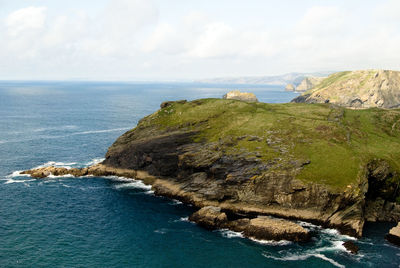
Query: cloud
{"points": [[24, 20], [135, 38]]}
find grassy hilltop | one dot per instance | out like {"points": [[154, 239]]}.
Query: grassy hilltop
{"points": [[335, 144]]}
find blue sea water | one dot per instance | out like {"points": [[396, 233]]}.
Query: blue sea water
{"points": [[116, 222]]}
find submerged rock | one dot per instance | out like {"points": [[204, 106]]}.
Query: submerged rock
{"points": [[394, 235], [243, 96]]}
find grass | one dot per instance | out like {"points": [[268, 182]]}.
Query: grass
{"points": [[339, 142]]}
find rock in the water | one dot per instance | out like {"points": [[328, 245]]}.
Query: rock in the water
{"points": [[350, 246], [290, 87], [243, 96], [262, 227], [268, 228], [209, 217], [394, 235]]}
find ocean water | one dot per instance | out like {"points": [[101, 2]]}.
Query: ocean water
{"points": [[116, 222]]}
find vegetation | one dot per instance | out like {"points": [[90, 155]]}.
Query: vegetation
{"points": [[335, 144]]}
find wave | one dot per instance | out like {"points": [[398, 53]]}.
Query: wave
{"points": [[68, 135], [9, 181], [303, 257], [67, 127], [57, 164], [99, 131], [133, 185], [230, 234], [94, 161], [176, 202], [271, 242]]}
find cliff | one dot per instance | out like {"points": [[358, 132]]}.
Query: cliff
{"points": [[319, 163], [357, 89], [309, 83]]}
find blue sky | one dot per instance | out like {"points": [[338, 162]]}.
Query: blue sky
{"points": [[188, 39]]}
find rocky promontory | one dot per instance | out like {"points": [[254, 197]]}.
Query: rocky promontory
{"points": [[356, 89], [249, 160]]}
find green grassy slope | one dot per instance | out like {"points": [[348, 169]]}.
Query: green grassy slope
{"points": [[338, 142]]}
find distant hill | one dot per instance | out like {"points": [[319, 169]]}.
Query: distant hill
{"points": [[281, 80], [357, 89]]}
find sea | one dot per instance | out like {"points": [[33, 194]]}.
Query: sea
{"points": [[119, 222]]}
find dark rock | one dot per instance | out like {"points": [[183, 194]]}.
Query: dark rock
{"points": [[394, 235], [169, 103], [350, 246]]}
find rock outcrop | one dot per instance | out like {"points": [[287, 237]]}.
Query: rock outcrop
{"points": [[296, 161], [309, 83], [243, 96], [350, 246], [261, 227], [357, 89], [290, 87], [394, 235]]}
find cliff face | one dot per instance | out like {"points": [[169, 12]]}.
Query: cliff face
{"points": [[357, 89], [310, 162], [308, 83]]}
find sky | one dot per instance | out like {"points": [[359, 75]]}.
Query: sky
{"points": [[169, 40]]}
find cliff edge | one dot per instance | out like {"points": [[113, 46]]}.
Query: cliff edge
{"points": [[357, 89]]}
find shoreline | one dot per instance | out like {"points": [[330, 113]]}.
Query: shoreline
{"points": [[169, 188]]}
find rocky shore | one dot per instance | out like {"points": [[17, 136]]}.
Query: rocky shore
{"points": [[244, 161]]}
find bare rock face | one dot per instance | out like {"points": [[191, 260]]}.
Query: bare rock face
{"points": [[394, 235], [209, 217], [243, 96], [308, 83], [262, 227], [290, 87], [350, 246], [357, 89]]}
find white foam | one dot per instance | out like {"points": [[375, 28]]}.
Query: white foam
{"points": [[176, 202], [98, 131], [55, 128], [17, 174], [56, 164], [130, 184], [271, 242], [150, 192], [335, 233], [94, 161], [304, 257], [160, 231], [51, 176], [308, 225], [230, 234], [18, 181]]}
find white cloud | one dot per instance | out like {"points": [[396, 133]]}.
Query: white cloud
{"points": [[132, 37], [26, 19]]}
